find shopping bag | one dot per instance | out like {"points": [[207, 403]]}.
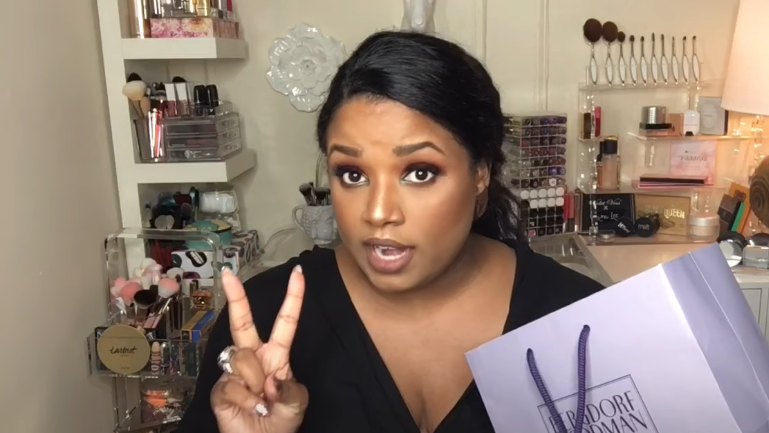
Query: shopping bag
{"points": [[675, 349]]}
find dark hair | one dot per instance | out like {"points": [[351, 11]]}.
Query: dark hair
{"points": [[442, 81]]}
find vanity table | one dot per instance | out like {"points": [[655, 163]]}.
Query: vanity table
{"points": [[610, 264]]}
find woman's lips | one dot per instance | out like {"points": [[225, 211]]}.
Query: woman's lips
{"points": [[388, 259]]}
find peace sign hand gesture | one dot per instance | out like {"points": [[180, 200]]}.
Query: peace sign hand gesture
{"points": [[258, 393]]}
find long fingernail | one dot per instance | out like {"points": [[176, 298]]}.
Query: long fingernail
{"points": [[261, 409], [226, 271], [298, 269]]}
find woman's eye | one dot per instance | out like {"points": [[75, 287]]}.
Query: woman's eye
{"points": [[420, 175], [353, 177]]}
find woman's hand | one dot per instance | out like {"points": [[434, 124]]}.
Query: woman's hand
{"points": [[260, 394]]}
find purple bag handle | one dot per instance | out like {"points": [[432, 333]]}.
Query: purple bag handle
{"points": [[581, 387]]}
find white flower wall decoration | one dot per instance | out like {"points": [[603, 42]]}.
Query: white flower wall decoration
{"points": [[302, 65]]}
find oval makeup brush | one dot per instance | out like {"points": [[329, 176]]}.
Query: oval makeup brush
{"points": [[685, 63], [633, 62], [674, 67], [695, 61], [134, 91], [592, 30], [609, 33], [621, 62], [655, 63], [664, 66], [644, 65]]}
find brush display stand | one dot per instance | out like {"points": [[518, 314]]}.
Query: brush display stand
{"points": [[152, 352]]}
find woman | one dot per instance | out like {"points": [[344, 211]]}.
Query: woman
{"points": [[371, 336]]}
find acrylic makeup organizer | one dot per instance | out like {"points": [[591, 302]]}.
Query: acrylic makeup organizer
{"points": [[535, 150], [169, 377], [643, 155]]}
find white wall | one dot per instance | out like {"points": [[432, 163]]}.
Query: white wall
{"points": [[516, 55], [59, 204]]}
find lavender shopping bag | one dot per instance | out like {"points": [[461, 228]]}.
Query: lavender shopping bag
{"points": [[675, 349]]}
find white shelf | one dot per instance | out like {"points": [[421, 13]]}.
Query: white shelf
{"points": [[189, 48], [618, 87], [691, 137], [195, 172], [673, 138]]}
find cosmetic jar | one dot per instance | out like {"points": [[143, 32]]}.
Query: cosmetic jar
{"points": [[732, 244], [703, 227], [653, 114], [218, 202], [606, 236]]}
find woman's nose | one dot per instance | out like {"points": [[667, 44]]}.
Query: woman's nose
{"points": [[383, 205]]}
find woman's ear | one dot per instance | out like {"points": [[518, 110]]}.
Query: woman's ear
{"points": [[482, 177]]}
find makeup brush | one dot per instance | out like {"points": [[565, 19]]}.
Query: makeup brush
{"points": [[133, 76], [633, 62], [128, 291], [306, 190], [644, 65], [655, 64], [621, 62], [695, 61], [135, 92], [592, 30], [685, 66], [674, 66], [609, 33], [322, 196], [664, 66]]}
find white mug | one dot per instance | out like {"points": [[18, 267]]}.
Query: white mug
{"points": [[317, 222]]}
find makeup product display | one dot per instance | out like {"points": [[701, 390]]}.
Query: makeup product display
{"points": [[703, 227], [672, 212], [592, 31], [183, 19], [164, 400], [598, 212], [535, 146], [544, 211], [180, 121]]}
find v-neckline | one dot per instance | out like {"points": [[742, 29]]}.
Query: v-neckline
{"points": [[341, 310]]}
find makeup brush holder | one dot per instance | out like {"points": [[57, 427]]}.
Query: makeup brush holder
{"points": [[160, 314]]}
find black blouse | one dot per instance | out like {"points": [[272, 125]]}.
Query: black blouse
{"points": [[350, 387]]}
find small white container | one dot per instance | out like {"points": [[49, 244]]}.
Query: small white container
{"points": [[691, 122], [703, 227]]}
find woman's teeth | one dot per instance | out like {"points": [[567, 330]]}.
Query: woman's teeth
{"points": [[390, 253]]}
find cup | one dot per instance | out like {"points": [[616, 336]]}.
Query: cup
{"points": [[317, 222]]}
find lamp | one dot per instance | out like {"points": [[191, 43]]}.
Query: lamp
{"points": [[746, 90]]}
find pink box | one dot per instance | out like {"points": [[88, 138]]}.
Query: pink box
{"points": [[193, 28]]}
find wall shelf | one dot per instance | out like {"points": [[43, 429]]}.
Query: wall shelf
{"points": [[191, 48], [195, 172], [617, 87], [691, 138]]}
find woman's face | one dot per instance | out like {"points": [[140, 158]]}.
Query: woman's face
{"points": [[404, 191]]}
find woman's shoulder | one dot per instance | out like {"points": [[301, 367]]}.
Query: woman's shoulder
{"points": [[549, 285], [267, 290]]}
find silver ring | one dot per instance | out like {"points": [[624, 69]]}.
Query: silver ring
{"points": [[224, 358]]}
